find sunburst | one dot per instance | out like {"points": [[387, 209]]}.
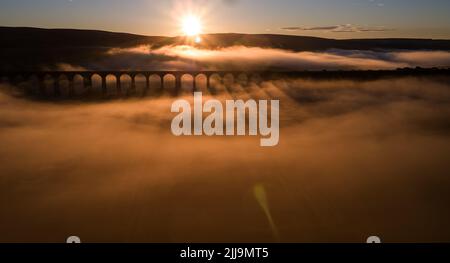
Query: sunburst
{"points": [[191, 26]]}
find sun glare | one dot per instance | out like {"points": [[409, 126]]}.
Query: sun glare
{"points": [[192, 26]]}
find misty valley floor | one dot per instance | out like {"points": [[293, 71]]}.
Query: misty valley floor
{"points": [[355, 159]]}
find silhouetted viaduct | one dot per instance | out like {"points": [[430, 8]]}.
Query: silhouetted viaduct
{"points": [[41, 77], [87, 78]]}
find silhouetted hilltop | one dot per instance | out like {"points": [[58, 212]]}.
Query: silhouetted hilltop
{"points": [[20, 37], [26, 37], [302, 43]]}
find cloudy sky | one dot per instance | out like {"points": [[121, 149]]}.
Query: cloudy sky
{"points": [[324, 18]]}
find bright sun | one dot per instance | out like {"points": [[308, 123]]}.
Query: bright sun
{"points": [[191, 26]]}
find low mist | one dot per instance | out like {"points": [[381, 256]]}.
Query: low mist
{"points": [[355, 159], [256, 58]]}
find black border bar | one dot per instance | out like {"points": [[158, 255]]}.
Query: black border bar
{"points": [[276, 252]]}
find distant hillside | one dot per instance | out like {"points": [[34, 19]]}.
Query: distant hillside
{"points": [[25, 37], [302, 43], [19, 37]]}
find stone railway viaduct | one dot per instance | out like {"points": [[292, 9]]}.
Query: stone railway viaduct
{"points": [[41, 78]]}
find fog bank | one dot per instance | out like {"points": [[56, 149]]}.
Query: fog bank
{"points": [[355, 159]]}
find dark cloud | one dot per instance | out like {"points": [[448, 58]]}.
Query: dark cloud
{"points": [[346, 28], [296, 28]]}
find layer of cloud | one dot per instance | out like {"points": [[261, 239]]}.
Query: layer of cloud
{"points": [[354, 158], [254, 58]]}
